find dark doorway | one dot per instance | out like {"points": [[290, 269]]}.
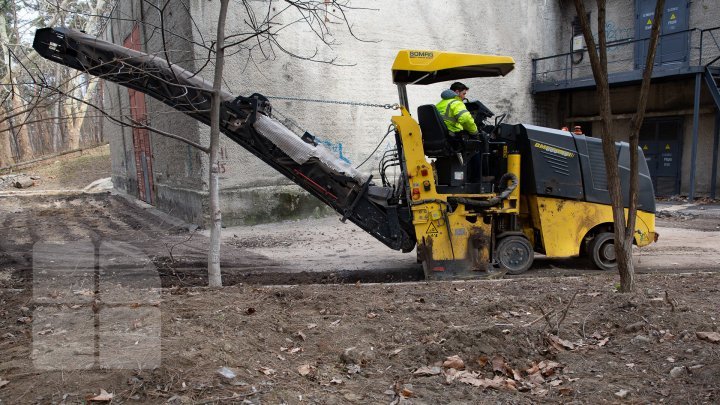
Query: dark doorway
{"points": [[661, 141], [674, 44], [141, 137]]}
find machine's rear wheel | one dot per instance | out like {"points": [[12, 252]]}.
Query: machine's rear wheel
{"points": [[602, 251], [514, 254]]}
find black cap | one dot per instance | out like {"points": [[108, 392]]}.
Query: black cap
{"points": [[459, 86]]}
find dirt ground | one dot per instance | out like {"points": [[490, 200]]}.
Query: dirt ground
{"points": [[68, 172], [101, 298]]}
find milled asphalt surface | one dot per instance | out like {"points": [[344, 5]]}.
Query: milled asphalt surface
{"points": [[709, 211]]}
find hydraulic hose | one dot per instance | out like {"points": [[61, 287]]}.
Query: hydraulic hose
{"points": [[494, 200]]}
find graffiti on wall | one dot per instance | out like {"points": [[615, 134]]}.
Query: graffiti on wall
{"points": [[615, 33]]}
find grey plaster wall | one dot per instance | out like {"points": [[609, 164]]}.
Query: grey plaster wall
{"points": [[252, 192], [515, 28]]}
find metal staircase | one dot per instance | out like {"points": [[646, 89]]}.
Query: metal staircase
{"points": [[712, 78]]}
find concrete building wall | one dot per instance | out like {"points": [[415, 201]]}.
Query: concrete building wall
{"points": [[179, 172], [117, 104]]}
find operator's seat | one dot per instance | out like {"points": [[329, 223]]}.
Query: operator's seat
{"points": [[434, 131]]}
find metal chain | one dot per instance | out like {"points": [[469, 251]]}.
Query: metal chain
{"points": [[356, 103]]}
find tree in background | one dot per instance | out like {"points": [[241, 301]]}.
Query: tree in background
{"points": [[35, 120], [624, 228]]}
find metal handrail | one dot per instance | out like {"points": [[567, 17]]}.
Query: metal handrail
{"points": [[562, 66], [618, 42]]}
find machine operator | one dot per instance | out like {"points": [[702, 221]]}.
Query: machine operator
{"points": [[452, 109]]}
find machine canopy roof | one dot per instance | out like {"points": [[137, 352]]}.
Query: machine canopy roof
{"points": [[427, 67]]}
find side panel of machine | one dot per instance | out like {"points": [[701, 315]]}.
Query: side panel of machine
{"points": [[595, 175], [565, 223], [551, 166]]}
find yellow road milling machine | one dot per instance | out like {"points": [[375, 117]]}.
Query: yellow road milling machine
{"points": [[472, 205]]}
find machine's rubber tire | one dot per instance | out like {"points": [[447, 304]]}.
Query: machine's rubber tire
{"points": [[602, 251], [514, 254]]}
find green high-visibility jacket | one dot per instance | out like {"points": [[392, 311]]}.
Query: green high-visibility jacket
{"points": [[456, 116]]}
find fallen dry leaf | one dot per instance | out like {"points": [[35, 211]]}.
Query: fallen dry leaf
{"points": [[603, 342], [451, 374], [560, 344], [395, 352], [548, 367], [104, 396], [335, 323], [267, 370], [482, 361], [305, 370], [565, 391], [372, 315], [541, 392], [536, 378], [497, 382], [301, 335], [622, 393], [406, 393], [454, 362], [499, 365], [4, 383], [709, 336], [311, 325], [426, 371], [336, 381], [295, 350]]}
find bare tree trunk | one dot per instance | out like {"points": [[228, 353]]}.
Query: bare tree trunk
{"points": [[6, 157], [214, 274], [76, 112], [25, 150], [627, 272], [624, 231]]}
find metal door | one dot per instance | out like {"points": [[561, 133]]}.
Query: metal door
{"points": [[141, 137], [673, 46], [661, 141]]}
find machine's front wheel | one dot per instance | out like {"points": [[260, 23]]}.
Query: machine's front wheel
{"points": [[602, 251], [514, 254]]}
